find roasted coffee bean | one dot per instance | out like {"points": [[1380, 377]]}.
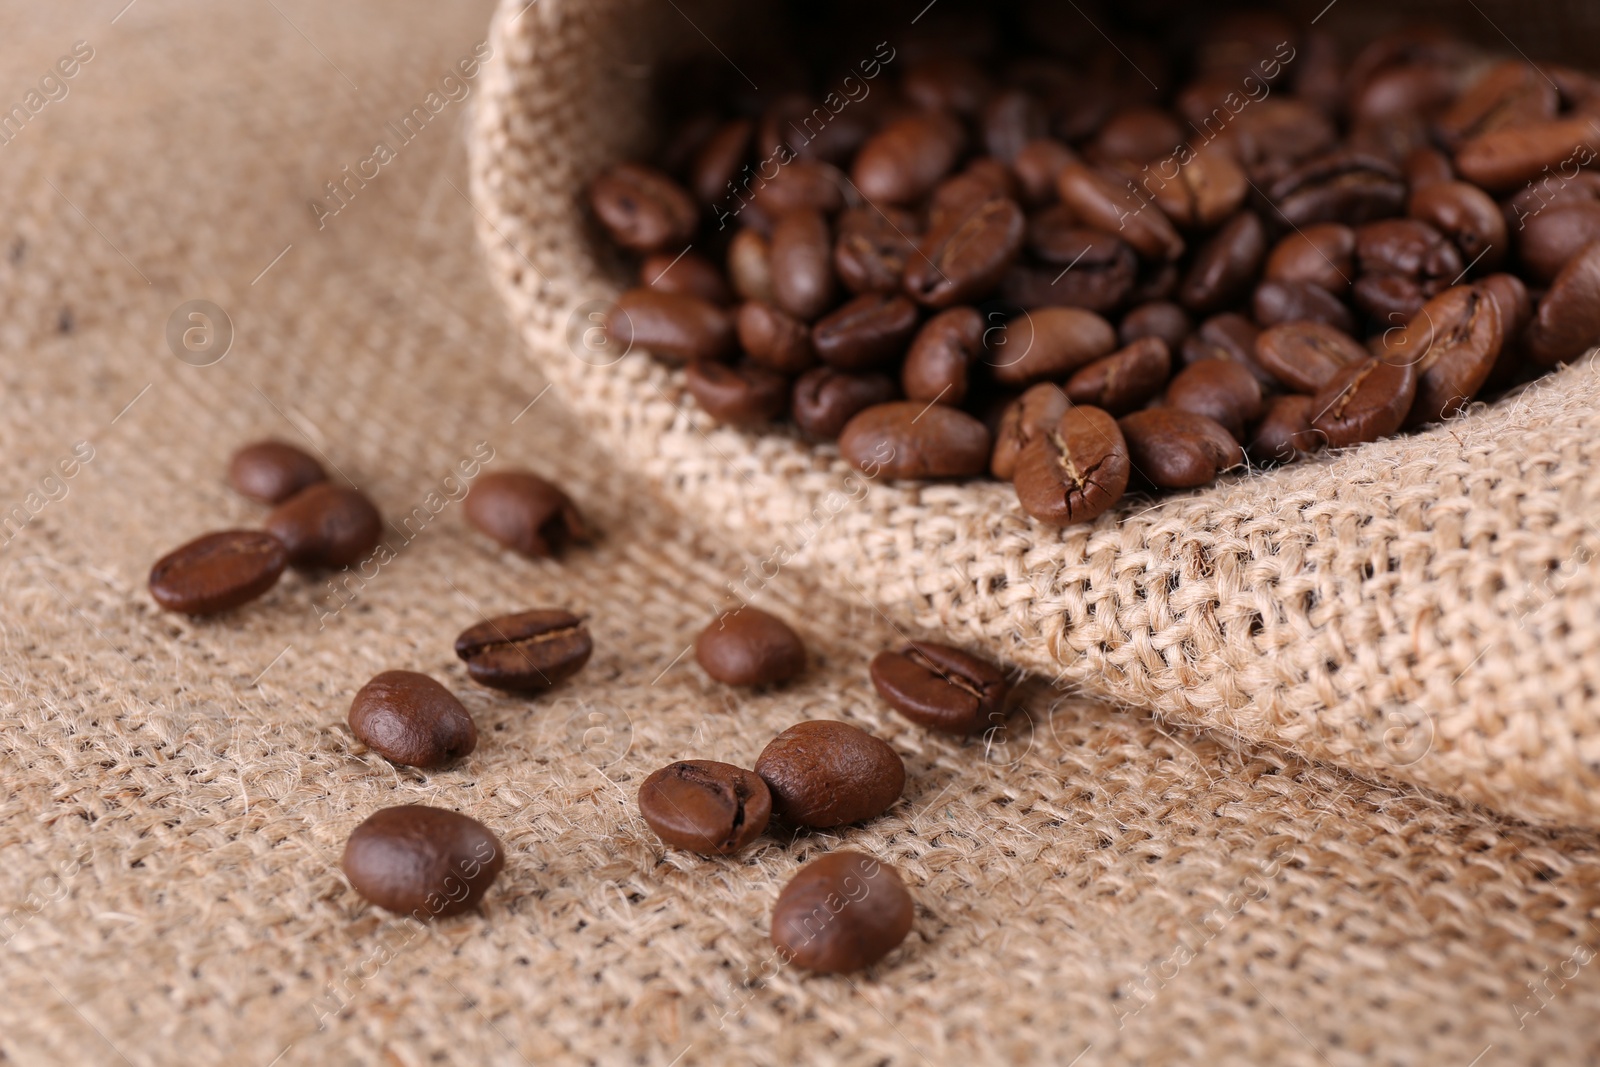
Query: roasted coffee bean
{"points": [[717, 164], [1038, 166], [913, 439], [1025, 418], [841, 913], [1534, 200], [1272, 136], [1427, 167], [1226, 265], [702, 806], [1048, 343], [1403, 263], [1124, 380], [1136, 134], [936, 366], [1208, 190], [1285, 434], [524, 513], [1364, 401], [326, 525], [1345, 187], [873, 248], [420, 861], [1502, 159], [989, 174], [745, 395], [824, 773], [824, 400], [642, 209], [789, 127], [774, 339], [671, 326], [272, 471], [218, 572], [1074, 471], [946, 83], [1275, 303], [525, 652], [1455, 341], [1552, 237], [688, 274], [1508, 95], [410, 719], [1323, 255], [1568, 322], [750, 266], [901, 163], [1467, 217], [1219, 389], [1160, 319], [1176, 449], [1055, 236], [1305, 355], [1113, 205], [802, 264], [966, 252], [803, 185], [940, 687], [1012, 120], [865, 333], [748, 646]]}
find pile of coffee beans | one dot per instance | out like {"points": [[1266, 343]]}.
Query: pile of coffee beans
{"points": [[989, 244]]}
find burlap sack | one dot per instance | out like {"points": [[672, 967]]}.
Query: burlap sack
{"points": [[1422, 609]]}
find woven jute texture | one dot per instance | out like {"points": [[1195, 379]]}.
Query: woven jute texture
{"points": [[1092, 887], [1423, 609]]}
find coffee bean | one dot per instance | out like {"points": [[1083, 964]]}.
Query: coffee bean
{"points": [[936, 366], [745, 395], [1454, 341], [1552, 237], [991, 175], [643, 209], [1207, 191], [526, 652], [1219, 389], [802, 264], [1136, 134], [1160, 319], [841, 913], [901, 163], [1112, 205], [750, 266], [326, 525], [1364, 401], [703, 806], [824, 400], [1467, 217], [1124, 380], [1027, 417], [1323, 255], [272, 471], [1098, 274], [966, 252], [911, 439], [1509, 94], [1038, 166], [1304, 355], [524, 512], [1346, 187], [1075, 471], [1285, 433], [685, 274], [873, 247], [1502, 159], [718, 161], [1226, 265], [865, 333], [1012, 120], [946, 83], [748, 646], [824, 773], [1276, 303], [421, 861], [1176, 449], [1568, 322], [673, 327], [412, 720], [1427, 167], [1048, 343], [775, 339], [940, 687], [803, 185], [217, 572]]}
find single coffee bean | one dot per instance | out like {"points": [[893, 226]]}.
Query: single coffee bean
{"points": [[1027, 417], [1038, 166], [1158, 318], [1455, 341], [410, 719], [750, 266], [1406, 246], [1323, 255], [1276, 303], [717, 163], [940, 687], [1176, 449], [1124, 380], [966, 252], [1568, 322], [802, 264], [1467, 217], [912, 439], [1503, 159], [420, 861], [217, 572], [873, 247], [1075, 471], [804, 184], [1364, 401], [1055, 235], [1208, 190], [673, 327], [1552, 237], [326, 525], [991, 176], [1098, 274], [1347, 187], [1509, 94], [703, 806], [865, 333], [746, 395], [525, 652], [1304, 355], [937, 365], [272, 471], [1523, 207], [841, 913], [1426, 167], [946, 83], [1136, 134], [1285, 434], [824, 773], [1012, 120], [524, 512], [1219, 389], [824, 400], [1048, 343], [642, 209], [1113, 205], [902, 162], [686, 274], [1226, 265], [789, 128], [748, 646], [775, 339]]}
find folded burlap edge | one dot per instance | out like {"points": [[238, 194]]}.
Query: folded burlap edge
{"points": [[1422, 609]]}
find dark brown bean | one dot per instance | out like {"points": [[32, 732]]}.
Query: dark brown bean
{"points": [[1502, 159], [946, 83], [1226, 336], [1219, 389], [912, 439], [703, 806], [1176, 449], [1364, 402], [745, 395], [1568, 322], [1012, 120], [940, 687], [1464, 214], [1275, 303], [1304, 355], [1207, 191], [1038, 166], [717, 164], [1427, 167], [689, 274], [966, 252], [326, 525], [524, 512], [989, 174], [642, 209], [1158, 318], [803, 185], [526, 652], [1113, 205], [841, 913], [824, 400], [1323, 255], [1226, 265], [865, 333], [1509, 94], [1136, 134], [802, 264], [750, 266], [673, 327], [1454, 341], [1048, 343], [937, 365], [1345, 187], [902, 162], [217, 572], [272, 471], [1285, 434], [1124, 380], [1552, 237], [873, 247], [774, 338], [420, 861], [1025, 418], [412, 720], [748, 646], [1404, 263], [824, 773], [1075, 471]]}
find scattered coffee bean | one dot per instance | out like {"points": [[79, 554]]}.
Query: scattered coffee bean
{"points": [[746, 395], [1468, 217], [841, 913], [643, 209], [825, 400], [1160, 319], [802, 264], [775, 339], [1455, 341], [911, 439], [326, 525], [1219, 389], [1568, 321], [1304, 355], [524, 513], [1364, 401], [1276, 303], [866, 333], [421, 861], [702, 806], [750, 266], [1323, 255], [673, 327], [873, 247], [940, 687], [527, 652], [824, 773], [938, 363], [685, 274], [1124, 380], [1074, 471], [1176, 449], [1113, 205], [1027, 417], [272, 471], [901, 163], [1285, 434], [966, 251], [217, 572], [1049, 343], [1226, 265], [410, 719], [1553, 236], [748, 646], [1501, 160]]}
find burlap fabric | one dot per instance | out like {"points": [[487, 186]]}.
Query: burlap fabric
{"points": [[1421, 609], [176, 794]]}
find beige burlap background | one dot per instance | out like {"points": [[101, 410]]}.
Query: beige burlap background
{"points": [[177, 793], [1423, 610]]}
